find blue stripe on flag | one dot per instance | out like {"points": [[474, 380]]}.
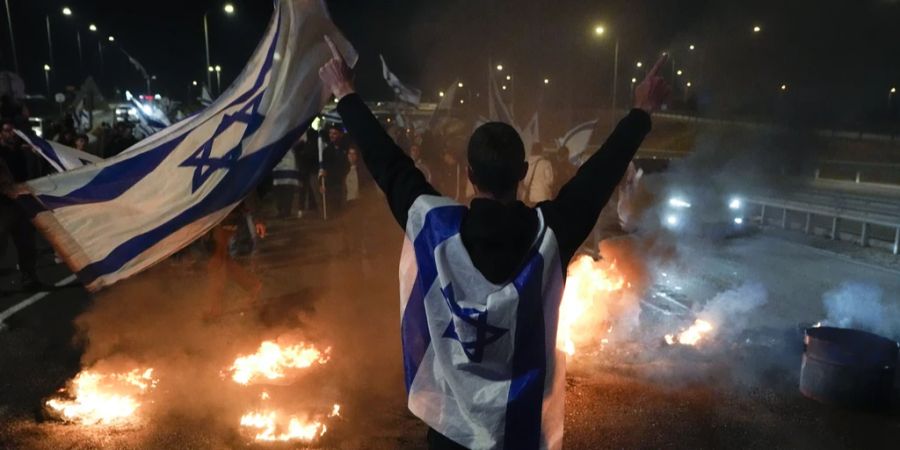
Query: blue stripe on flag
{"points": [[440, 224], [529, 366], [48, 151], [236, 184]]}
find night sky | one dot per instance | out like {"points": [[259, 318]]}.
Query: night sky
{"points": [[838, 58]]}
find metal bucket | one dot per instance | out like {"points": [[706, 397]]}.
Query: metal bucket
{"points": [[848, 368]]}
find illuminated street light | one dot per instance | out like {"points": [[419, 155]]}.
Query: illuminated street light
{"points": [[893, 90], [679, 72], [757, 29], [194, 83], [633, 80], [218, 68], [599, 30], [691, 47], [46, 67], [112, 39], [441, 94], [546, 81], [462, 101], [783, 87], [211, 68], [689, 84], [509, 78], [499, 67], [639, 64], [92, 27], [229, 8], [461, 85], [67, 11], [504, 87]]}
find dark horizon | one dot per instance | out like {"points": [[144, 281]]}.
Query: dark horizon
{"points": [[834, 57]]}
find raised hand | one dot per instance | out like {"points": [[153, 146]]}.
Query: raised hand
{"points": [[336, 74], [653, 91]]}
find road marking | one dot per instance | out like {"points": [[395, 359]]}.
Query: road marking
{"points": [[30, 301]]}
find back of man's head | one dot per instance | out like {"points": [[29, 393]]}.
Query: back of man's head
{"points": [[496, 159]]}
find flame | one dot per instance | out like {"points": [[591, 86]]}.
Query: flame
{"points": [[270, 426], [588, 287], [103, 399], [691, 336], [271, 361]]}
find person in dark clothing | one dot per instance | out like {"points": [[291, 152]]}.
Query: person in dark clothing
{"points": [[308, 165], [334, 170], [506, 243], [359, 187], [18, 164]]}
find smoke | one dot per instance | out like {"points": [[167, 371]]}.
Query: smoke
{"points": [[731, 310], [861, 306]]}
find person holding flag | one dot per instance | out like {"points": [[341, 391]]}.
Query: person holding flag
{"points": [[481, 285]]}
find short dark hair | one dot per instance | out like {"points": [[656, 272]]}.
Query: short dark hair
{"points": [[496, 158]]}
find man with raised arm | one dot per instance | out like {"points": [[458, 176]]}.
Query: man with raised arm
{"points": [[481, 285]]}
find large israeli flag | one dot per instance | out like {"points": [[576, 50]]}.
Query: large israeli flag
{"points": [[112, 220], [62, 158], [481, 362]]}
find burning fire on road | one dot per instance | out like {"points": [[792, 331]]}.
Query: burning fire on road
{"points": [[273, 363], [693, 335], [95, 398], [591, 291]]}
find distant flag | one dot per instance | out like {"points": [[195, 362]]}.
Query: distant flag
{"points": [[82, 117], [114, 219], [443, 107], [532, 132], [151, 120], [137, 65], [205, 98], [60, 157], [404, 93]]}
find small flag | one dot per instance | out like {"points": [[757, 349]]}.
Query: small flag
{"points": [[404, 93], [82, 118], [112, 220], [60, 157]]}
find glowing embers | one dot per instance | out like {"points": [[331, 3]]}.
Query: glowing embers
{"points": [[96, 398]]}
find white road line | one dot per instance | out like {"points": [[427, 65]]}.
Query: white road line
{"points": [[30, 301]]}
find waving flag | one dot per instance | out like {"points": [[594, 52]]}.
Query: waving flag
{"points": [[404, 93], [114, 219], [60, 157]]}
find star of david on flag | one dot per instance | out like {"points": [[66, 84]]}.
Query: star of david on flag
{"points": [[113, 219]]}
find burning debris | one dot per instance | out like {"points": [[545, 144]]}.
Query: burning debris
{"points": [[270, 426], [269, 364], [588, 302], [95, 398], [271, 360], [691, 336]]}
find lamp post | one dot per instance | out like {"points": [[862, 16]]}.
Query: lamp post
{"points": [[12, 38], [219, 79], [600, 31], [47, 78], [229, 10]]}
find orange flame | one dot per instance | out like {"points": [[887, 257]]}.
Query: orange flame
{"points": [[271, 427], [691, 336], [584, 305], [103, 399], [271, 360]]}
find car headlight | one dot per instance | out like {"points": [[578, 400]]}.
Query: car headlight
{"points": [[678, 202]]}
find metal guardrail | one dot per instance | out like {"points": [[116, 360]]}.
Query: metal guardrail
{"points": [[865, 219]]}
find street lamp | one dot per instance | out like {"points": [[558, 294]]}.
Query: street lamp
{"points": [[47, 78], [219, 79], [509, 78], [499, 67], [12, 38], [92, 27], [784, 87], [194, 83], [546, 81], [600, 31], [691, 47], [67, 11], [757, 28], [503, 87], [639, 64], [112, 39], [229, 10], [679, 72], [441, 94], [460, 85]]}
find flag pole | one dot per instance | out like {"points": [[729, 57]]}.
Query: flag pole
{"points": [[322, 178]]}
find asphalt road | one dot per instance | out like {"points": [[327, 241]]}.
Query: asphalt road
{"points": [[637, 393]]}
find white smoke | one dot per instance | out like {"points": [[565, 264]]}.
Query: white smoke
{"points": [[729, 310], [861, 306]]}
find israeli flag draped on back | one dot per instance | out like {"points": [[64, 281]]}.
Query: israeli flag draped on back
{"points": [[60, 157], [481, 362], [112, 220]]}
